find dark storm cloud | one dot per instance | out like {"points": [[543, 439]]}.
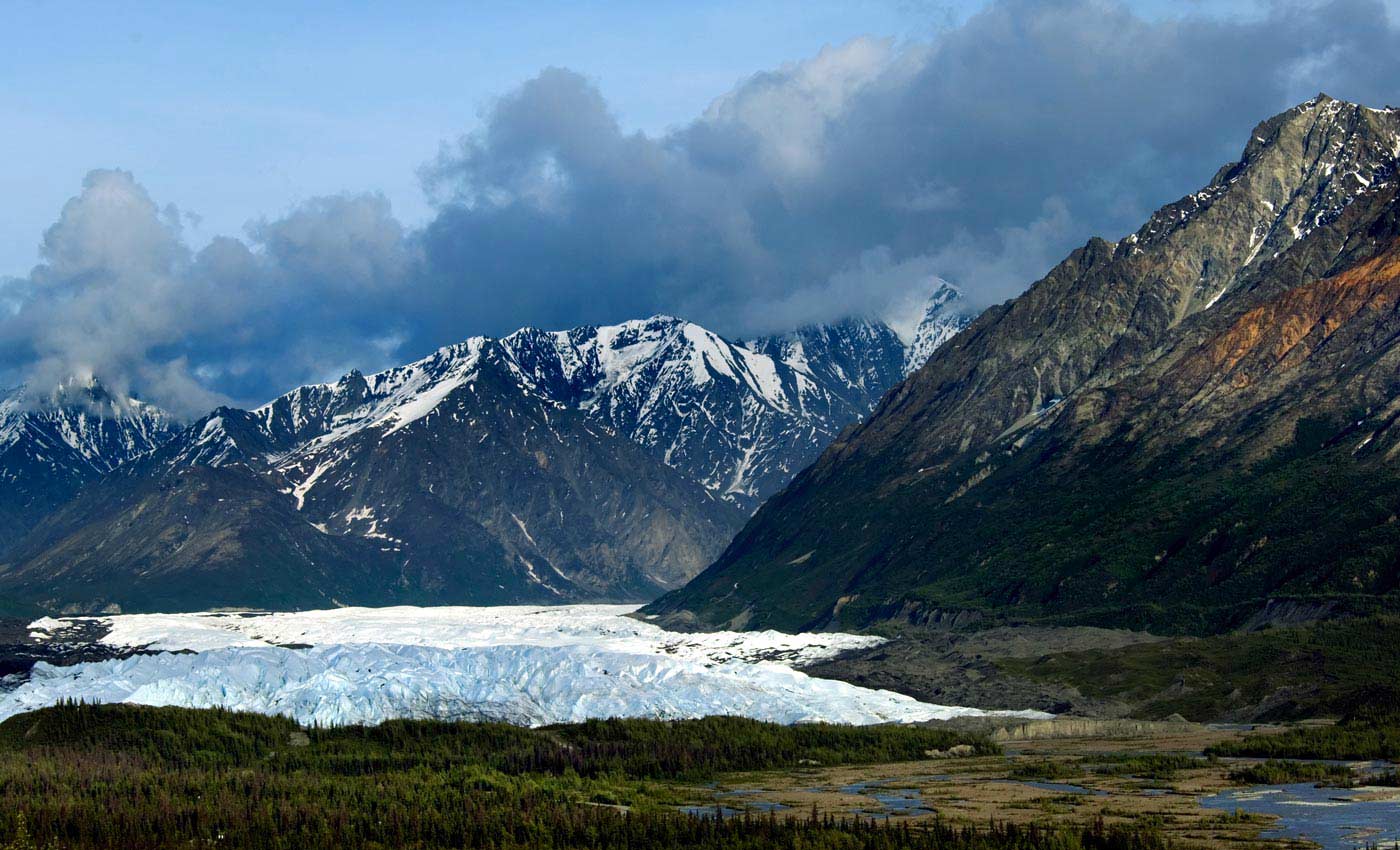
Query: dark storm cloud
{"points": [[836, 184], [831, 186]]}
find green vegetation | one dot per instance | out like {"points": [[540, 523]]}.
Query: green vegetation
{"points": [[1147, 765], [1276, 772], [79, 776], [1046, 769], [1370, 732], [1185, 543], [639, 749], [1364, 735], [1323, 668], [1181, 546], [1142, 765]]}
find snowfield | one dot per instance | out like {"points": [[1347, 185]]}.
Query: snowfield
{"points": [[531, 665]]}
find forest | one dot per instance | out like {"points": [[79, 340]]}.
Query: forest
{"points": [[115, 776], [1369, 732]]}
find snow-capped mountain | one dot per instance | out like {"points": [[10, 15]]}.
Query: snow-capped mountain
{"points": [[445, 480], [738, 419], [54, 444], [599, 463], [945, 314]]}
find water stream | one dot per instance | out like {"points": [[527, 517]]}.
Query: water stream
{"points": [[1335, 818]]}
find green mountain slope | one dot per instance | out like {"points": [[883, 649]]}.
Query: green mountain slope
{"points": [[1165, 433]]}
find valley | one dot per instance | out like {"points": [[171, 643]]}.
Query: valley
{"points": [[675, 426], [1089, 751], [720, 782], [1156, 776]]}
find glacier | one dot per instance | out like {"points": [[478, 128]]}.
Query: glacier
{"points": [[529, 665]]}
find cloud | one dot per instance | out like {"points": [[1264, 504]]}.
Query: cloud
{"points": [[825, 187], [119, 296], [836, 183]]}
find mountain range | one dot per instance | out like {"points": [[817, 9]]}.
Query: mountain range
{"points": [[599, 463], [1179, 432], [52, 445], [1189, 430]]}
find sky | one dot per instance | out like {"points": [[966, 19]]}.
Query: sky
{"points": [[209, 205]]}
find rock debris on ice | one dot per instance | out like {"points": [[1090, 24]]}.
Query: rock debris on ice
{"points": [[530, 665]]}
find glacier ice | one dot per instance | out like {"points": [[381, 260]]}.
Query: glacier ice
{"points": [[530, 665]]}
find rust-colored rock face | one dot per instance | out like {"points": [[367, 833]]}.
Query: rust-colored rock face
{"points": [[1164, 432], [1292, 325]]}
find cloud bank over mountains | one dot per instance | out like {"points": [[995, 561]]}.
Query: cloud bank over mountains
{"points": [[836, 185], [120, 297]]}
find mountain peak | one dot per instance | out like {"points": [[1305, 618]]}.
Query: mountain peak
{"points": [[86, 395], [1113, 448], [664, 319], [945, 314], [53, 443], [597, 462], [1323, 99], [91, 394], [1298, 171], [1312, 118]]}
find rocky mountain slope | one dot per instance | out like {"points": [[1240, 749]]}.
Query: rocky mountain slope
{"points": [[52, 445], [443, 480], [598, 463], [739, 421], [1164, 433]]}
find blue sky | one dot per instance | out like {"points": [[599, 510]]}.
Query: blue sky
{"points": [[240, 110], [209, 203]]}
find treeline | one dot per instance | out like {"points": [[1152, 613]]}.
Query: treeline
{"points": [[1372, 732], [639, 749], [1280, 772], [78, 776], [606, 830]]}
